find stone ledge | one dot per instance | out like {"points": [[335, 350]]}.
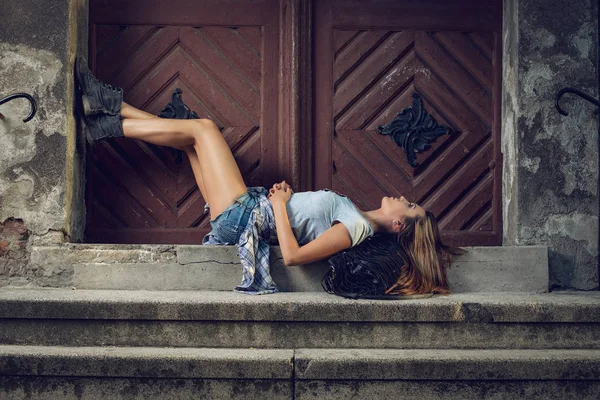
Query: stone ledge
{"points": [[98, 388], [446, 390], [228, 306], [162, 267], [156, 276], [447, 364], [299, 334], [70, 253], [300, 364], [146, 362]]}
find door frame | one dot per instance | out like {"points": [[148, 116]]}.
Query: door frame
{"points": [[295, 102]]}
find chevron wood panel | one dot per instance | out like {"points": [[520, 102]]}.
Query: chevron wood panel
{"points": [[374, 73], [142, 193]]}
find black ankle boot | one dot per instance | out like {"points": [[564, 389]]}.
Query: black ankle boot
{"points": [[97, 97], [98, 127]]}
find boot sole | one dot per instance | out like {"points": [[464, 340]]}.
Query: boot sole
{"points": [[86, 131], [85, 100], [87, 109], [78, 62]]}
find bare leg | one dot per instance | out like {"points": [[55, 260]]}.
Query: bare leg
{"points": [[128, 111], [215, 169], [195, 163]]}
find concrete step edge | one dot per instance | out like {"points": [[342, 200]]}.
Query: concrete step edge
{"points": [[301, 364], [447, 364], [147, 362], [228, 306], [172, 267]]}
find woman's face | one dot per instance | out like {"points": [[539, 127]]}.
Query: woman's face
{"points": [[398, 208]]}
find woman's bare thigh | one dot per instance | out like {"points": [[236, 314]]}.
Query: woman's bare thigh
{"points": [[222, 179], [218, 172]]}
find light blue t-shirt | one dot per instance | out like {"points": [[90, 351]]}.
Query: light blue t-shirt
{"points": [[312, 213]]}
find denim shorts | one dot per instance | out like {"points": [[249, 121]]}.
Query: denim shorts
{"points": [[229, 225]]}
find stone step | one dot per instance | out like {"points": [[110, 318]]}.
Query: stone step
{"points": [[294, 320], [160, 267], [38, 372], [446, 374], [126, 372]]}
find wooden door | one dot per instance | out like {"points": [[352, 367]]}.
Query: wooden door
{"points": [[370, 58], [225, 59]]}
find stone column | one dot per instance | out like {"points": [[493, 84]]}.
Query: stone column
{"points": [[41, 189], [550, 184]]}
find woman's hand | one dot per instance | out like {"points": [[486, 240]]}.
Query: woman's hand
{"points": [[280, 192]]}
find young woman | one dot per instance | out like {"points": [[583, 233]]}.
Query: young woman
{"points": [[309, 226]]}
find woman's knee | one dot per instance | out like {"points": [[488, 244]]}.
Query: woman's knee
{"points": [[206, 124], [204, 127]]}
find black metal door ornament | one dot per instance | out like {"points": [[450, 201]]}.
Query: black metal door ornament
{"points": [[177, 109], [32, 103], [414, 129]]}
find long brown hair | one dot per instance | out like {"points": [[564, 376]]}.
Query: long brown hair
{"points": [[425, 258]]}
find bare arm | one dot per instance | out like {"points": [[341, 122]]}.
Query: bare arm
{"points": [[333, 240]]}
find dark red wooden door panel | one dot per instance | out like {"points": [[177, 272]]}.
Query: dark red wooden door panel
{"points": [[226, 63], [370, 57]]}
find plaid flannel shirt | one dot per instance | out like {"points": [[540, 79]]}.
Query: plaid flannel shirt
{"points": [[254, 246]]}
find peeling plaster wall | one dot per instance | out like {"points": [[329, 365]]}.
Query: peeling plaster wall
{"points": [[550, 180], [39, 161], [33, 154]]}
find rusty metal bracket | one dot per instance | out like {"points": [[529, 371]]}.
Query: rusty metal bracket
{"points": [[32, 103], [579, 93]]}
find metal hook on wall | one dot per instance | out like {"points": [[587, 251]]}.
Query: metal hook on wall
{"points": [[32, 102], [579, 93]]}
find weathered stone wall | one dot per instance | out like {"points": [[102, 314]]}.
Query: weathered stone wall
{"points": [[551, 161], [39, 164]]}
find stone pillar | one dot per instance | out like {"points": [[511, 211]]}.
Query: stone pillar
{"points": [[550, 184], [41, 190]]}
